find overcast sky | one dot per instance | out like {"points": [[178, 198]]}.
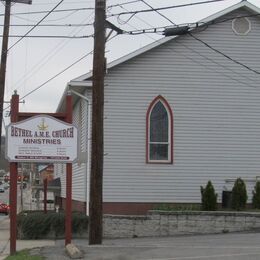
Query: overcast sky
{"points": [[33, 61]]}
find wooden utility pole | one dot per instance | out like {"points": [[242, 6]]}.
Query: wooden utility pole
{"points": [[3, 60], [97, 152], [4, 55]]}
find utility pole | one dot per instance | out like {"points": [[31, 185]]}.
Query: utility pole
{"points": [[97, 152], [3, 60], [4, 55]]}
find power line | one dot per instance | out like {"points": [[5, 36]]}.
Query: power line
{"points": [[52, 20], [122, 4], [165, 8], [162, 15], [219, 65], [206, 57], [51, 25], [50, 36], [58, 74], [55, 11], [223, 54], [36, 25], [158, 30], [44, 60], [192, 25]]}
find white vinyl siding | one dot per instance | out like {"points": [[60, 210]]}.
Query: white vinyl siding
{"points": [[79, 167], [216, 117]]}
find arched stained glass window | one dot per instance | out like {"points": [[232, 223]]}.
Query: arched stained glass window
{"points": [[159, 132]]}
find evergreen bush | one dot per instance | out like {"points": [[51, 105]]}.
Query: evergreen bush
{"points": [[38, 225], [208, 197], [256, 196], [239, 195]]}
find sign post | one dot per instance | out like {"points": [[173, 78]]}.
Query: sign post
{"points": [[13, 181], [44, 137], [68, 227]]}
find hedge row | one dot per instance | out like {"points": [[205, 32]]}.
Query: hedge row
{"points": [[238, 199], [37, 224]]}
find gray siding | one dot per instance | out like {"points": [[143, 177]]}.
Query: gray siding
{"points": [[79, 178], [216, 110], [79, 168]]}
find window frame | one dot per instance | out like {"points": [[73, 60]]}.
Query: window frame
{"points": [[170, 131]]}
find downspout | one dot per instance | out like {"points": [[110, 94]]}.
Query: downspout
{"points": [[88, 147]]}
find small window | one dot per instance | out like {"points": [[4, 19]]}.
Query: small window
{"points": [[241, 26], [159, 139]]}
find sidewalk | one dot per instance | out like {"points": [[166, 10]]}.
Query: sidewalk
{"points": [[20, 244]]}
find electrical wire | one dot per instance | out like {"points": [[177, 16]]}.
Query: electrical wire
{"points": [[159, 30], [55, 11], [36, 25], [50, 36], [139, 31], [122, 4], [140, 19], [223, 54], [50, 20], [36, 67], [51, 25], [58, 74], [227, 75], [162, 15], [248, 79], [53, 77], [165, 8]]}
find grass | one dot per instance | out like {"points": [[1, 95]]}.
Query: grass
{"points": [[24, 255]]}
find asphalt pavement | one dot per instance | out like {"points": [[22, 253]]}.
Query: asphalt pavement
{"points": [[236, 246]]}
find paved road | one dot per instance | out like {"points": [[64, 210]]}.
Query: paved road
{"points": [[236, 246], [4, 196]]}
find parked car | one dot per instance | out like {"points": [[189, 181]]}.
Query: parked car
{"points": [[6, 185], [2, 189], [4, 208]]}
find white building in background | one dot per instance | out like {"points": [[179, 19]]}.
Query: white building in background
{"points": [[178, 113]]}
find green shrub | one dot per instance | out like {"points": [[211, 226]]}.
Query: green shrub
{"points": [[35, 225], [239, 195], [256, 196], [208, 197]]}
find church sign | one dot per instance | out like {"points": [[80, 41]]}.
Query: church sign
{"points": [[41, 138]]}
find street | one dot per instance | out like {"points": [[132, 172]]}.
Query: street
{"points": [[4, 197], [233, 246]]}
